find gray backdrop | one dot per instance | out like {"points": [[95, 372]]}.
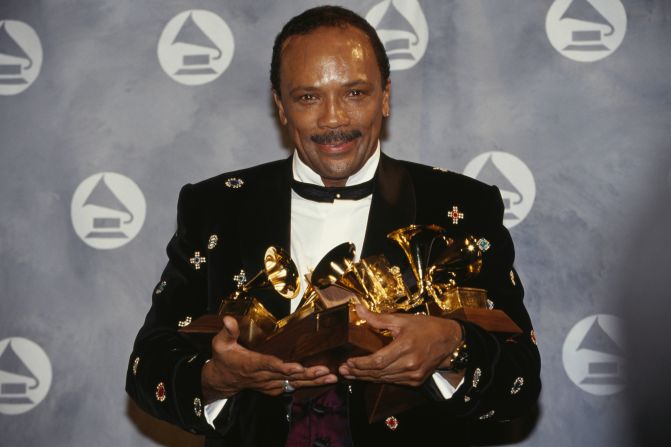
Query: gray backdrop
{"points": [[567, 100]]}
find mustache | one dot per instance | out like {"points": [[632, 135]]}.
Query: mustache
{"points": [[336, 137]]}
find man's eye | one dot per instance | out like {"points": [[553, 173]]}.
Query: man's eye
{"points": [[355, 92], [307, 97]]}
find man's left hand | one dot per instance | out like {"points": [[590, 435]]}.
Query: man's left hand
{"points": [[420, 345]]}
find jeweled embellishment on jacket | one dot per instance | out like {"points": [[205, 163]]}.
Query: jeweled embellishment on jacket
{"points": [[437, 168], [487, 415], [234, 182], [160, 288], [197, 260], [185, 322], [476, 377], [455, 215], [532, 335], [512, 278], [212, 242], [517, 385], [484, 244], [240, 279], [136, 362], [391, 422], [160, 392], [197, 407]]}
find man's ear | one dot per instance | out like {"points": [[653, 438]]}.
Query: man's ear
{"points": [[280, 108], [386, 101]]}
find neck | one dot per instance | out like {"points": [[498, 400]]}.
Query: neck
{"points": [[334, 182]]}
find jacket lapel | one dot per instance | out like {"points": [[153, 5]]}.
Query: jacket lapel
{"points": [[393, 205], [264, 221]]}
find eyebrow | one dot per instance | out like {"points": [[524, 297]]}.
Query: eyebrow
{"points": [[309, 88]]}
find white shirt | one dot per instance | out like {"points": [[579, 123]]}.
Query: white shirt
{"points": [[317, 227]]}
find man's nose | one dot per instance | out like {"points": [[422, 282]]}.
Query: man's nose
{"points": [[334, 114]]}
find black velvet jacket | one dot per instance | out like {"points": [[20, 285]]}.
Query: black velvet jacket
{"points": [[248, 210]]}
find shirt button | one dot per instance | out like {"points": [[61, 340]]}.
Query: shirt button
{"points": [[337, 195]]}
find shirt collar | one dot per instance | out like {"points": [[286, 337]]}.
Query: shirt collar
{"points": [[303, 173]]}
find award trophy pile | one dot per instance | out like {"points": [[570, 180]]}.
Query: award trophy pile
{"points": [[325, 328]]}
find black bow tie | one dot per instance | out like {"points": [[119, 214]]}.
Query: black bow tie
{"points": [[330, 193]]}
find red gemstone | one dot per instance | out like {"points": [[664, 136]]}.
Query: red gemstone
{"points": [[160, 392], [391, 422]]}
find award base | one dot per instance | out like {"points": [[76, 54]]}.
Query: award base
{"points": [[256, 323], [331, 336]]}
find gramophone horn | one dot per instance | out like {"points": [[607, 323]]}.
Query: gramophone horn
{"points": [[279, 272], [333, 265], [417, 242]]}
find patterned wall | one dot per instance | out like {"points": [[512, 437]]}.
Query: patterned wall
{"points": [[108, 107]]}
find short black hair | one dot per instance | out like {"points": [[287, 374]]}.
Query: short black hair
{"points": [[326, 16]]}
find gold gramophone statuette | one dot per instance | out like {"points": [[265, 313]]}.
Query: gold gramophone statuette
{"points": [[439, 264], [320, 293], [255, 321]]}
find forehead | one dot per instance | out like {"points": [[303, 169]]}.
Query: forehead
{"points": [[328, 53]]}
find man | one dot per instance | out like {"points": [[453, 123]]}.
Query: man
{"points": [[330, 79]]}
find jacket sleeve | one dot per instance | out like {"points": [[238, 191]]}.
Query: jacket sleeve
{"points": [[164, 370], [502, 379]]}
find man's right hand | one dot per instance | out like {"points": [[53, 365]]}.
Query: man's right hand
{"points": [[234, 368]]}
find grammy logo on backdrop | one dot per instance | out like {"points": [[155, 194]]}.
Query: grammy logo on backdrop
{"points": [[513, 178], [588, 39], [25, 375], [195, 47], [199, 61], [107, 210], [586, 30], [20, 56], [593, 355], [15, 390], [107, 227], [11, 72], [403, 30]]}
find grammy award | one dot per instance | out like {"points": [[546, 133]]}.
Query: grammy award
{"points": [[325, 328]]}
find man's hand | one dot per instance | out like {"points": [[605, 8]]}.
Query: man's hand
{"points": [[234, 368], [421, 344]]}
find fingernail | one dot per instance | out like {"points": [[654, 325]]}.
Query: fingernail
{"points": [[331, 379]]}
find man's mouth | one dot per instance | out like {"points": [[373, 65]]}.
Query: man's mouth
{"points": [[336, 138]]}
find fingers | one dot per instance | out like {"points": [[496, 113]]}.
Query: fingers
{"points": [[380, 359], [274, 366], [393, 323], [324, 380], [277, 386], [230, 332], [310, 373]]}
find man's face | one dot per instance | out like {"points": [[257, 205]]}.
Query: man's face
{"points": [[332, 100]]}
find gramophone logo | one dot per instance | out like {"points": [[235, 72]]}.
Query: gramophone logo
{"points": [[586, 30], [593, 355], [195, 47], [513, 178], [20, 56], [107, 210], [25, 375], [403, 30]]}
